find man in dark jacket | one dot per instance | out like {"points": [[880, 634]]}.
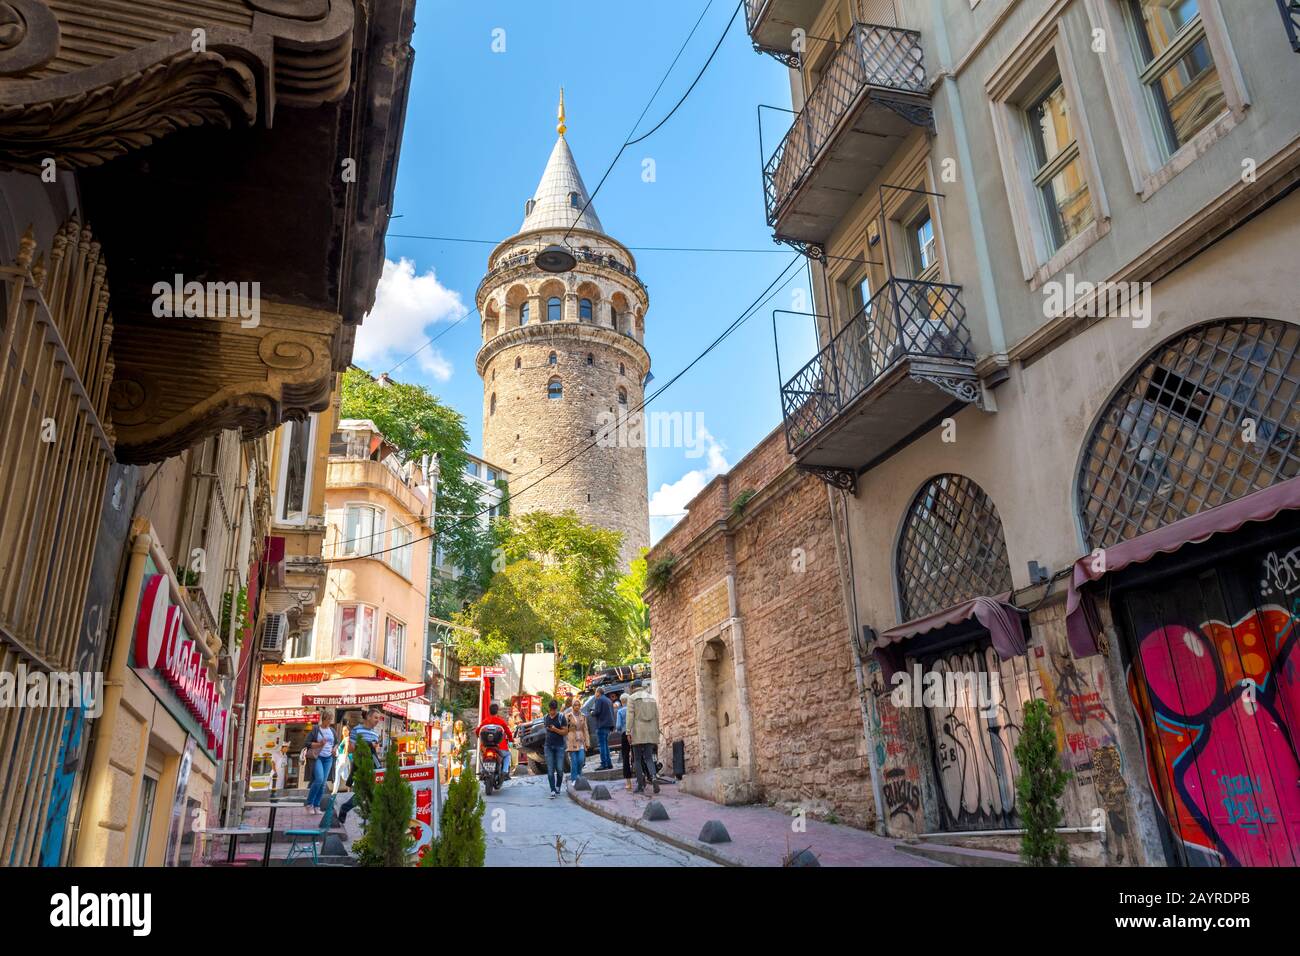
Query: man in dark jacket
{"points": [[602, 717]]}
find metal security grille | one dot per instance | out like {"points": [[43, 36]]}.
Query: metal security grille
{"points": [[952, 548], [1210, 417]]}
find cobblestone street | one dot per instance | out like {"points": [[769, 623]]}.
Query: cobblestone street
{"points": [[526, 826]]}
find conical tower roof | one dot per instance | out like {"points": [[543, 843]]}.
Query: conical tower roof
{"points": [[560, 197]]}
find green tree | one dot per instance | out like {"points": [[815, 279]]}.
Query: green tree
{"points": [[1039, 789], [634, 612], [363, 778], [388, 840], [417, 423], [460, 828], [559, 586]]}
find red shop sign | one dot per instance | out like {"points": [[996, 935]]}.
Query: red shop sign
{"points": [[161, 645]]}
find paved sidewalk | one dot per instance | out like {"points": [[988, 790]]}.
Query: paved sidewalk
{"points": [[760, 836]]}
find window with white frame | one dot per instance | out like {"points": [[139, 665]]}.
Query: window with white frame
{"points": [[363, 531], [401, 547], [394, 643], [1059, 174], [356, 631], [293, 494], [301, 644], [1177, 68], [925, 253]]}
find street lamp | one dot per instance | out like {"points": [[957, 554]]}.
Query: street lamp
{"points": [[555, 258]]}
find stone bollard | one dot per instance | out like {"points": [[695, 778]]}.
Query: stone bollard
{"points": [[581, 784], [654, 810], [714, 832], [599, 792], [805, 857]]}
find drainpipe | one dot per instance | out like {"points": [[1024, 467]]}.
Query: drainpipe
{"points": [[850, 597], [95, 800], [988, 289]]}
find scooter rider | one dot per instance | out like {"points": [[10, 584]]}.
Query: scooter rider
{"points": [[494, 718]]}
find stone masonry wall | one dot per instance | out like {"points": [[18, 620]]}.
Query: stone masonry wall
{"points": [[809, 743]]}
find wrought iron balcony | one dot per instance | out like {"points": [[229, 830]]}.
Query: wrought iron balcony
{"points": [[872, 94], [1290, 10], [900, 362], [772, 25]]}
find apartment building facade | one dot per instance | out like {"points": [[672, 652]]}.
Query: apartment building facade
{"points": [[1055, 401]]}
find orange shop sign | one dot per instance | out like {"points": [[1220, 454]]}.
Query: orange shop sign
{"points": [[478, 671]]}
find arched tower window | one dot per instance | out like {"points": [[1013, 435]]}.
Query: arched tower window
{"points": [[1169, 442], [574, 200], [620, 368], [952, 548], [584, 309], [553, 309], [523, 313], [554, 388], [516, 361], [622, 396], [528, 207], [492, 406], [591, 359], [551, 359]]}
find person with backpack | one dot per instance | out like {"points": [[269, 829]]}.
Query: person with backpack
{"points": [[320, 750], [643, 728]]}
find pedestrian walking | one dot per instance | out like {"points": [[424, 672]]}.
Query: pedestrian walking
{"points": [[320, 747], [577, 740], [602, 717], [624, 746], [557, 728], [643, 725], [363, 735]]}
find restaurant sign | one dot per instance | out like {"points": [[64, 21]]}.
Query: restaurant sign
{"points": [[162, 646]]}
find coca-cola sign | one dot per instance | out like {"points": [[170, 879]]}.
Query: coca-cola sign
{"points": [[163, 645]]}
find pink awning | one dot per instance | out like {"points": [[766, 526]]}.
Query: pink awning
{"points": [[1004, 621], [1081, 622], [282, 704]]}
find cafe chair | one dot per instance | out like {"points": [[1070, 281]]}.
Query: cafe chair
{"points": [[310, 837]]}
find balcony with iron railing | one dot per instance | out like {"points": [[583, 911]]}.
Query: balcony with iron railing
{"points": [[871, 96], [901, 362], [772, 23], [348, 472], [1290, 10]]}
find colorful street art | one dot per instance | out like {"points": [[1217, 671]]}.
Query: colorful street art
{"points": [[1219, 705]]}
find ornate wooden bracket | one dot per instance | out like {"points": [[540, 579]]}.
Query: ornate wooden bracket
{"points": [[236, 377], [68, 94]]}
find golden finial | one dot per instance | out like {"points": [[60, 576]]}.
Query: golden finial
{"points": [[560, 127]]}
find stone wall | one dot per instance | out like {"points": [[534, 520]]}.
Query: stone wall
{"points": [[808, 742]]}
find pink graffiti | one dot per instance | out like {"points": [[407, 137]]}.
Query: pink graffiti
{"points": [[1236, 768]]}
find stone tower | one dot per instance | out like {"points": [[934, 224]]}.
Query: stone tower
{"points": [[563, 358]]}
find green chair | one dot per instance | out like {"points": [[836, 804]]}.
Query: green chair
{"points": [[310, 837]]}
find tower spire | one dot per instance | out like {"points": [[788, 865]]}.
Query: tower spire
{"points": [[559, 126]]}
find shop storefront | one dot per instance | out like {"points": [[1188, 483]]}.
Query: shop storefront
{"points": [[168, 709]]}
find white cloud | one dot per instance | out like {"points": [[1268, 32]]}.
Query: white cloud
{"points": [[406, 305], [671, 499]]}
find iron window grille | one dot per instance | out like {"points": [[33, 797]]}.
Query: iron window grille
{"points": [[952, 548], [1290, 10], [1175, 439]]}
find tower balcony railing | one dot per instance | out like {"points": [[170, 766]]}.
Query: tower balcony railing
{"points": [[911, 337], [872, 93], [604, 260]]}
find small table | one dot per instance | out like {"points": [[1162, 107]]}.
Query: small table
{"points": [[235, 833], [272, 805]]}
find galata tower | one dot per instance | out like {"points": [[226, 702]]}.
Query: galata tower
{"points": [[563, 361]]}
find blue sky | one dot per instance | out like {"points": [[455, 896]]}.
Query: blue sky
{"points": [[479, 128]]}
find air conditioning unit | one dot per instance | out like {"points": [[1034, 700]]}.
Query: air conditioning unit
{"points": [[275, 632]]}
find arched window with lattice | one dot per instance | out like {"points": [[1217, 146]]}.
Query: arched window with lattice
{"points": [[1210, 416], [951, 549]]}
